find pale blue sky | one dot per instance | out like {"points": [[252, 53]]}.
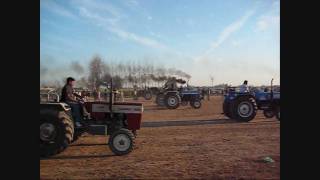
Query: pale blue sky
{"points": [[231, 40]]}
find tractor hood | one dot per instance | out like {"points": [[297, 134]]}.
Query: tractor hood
{"points": [[117, 107]]}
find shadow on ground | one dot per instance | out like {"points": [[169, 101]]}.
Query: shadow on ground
{"points": [[164, 108], [79, 157], [99, 144]]}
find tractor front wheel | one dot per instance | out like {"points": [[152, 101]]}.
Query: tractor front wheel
{"points": [[121, 142], [196, 104]]}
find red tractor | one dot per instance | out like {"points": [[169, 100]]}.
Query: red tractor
{"points": [[119, 120]]}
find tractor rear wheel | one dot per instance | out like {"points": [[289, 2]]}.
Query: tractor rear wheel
{"points": [[196, 104], [268, 113], [56, 132], [160, 99], [121, 142], [243, 108], [172, 101], [147, 95]]}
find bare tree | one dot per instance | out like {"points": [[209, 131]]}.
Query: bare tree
{"points": [[117, 82], [96, 69], [82, 82]]}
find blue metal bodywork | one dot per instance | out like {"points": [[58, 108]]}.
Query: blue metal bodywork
{"points": [[263, 99], [188, 95]]}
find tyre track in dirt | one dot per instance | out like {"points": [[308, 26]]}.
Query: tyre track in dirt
{"points": [[199, 122]]}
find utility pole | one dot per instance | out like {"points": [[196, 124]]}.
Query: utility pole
{"points": [[209, 92], [211, 78]]}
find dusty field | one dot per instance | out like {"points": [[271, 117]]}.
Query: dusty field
{"points": [[178, 144]]}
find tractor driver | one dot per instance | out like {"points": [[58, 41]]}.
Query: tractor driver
{"points": [[70, 97], [171, 84], [244, 87]]}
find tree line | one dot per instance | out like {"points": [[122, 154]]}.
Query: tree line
{"points": [[124, 75], [129, 74]]}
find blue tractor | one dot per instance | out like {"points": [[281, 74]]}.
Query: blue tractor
{"points": [[172, 97], [243, 106]]}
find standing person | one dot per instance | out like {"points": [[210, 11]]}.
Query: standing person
{"points": [[95, 94], [135, 92], [70, 97], [122, 96], [99, 94], [203, 92], [244, 87], [208, 91]]}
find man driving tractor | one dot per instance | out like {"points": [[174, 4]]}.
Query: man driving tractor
{"points": [[171, 84], [71, 98], [244, 87]]}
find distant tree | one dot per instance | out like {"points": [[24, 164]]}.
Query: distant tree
{"points": [[96, 69], [82, 82], [106, 78], [117, 82]]}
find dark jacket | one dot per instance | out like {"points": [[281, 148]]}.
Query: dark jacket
{"points": [[67, 94]]}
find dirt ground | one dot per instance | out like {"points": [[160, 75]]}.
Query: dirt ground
{"points": [[178, 144]]}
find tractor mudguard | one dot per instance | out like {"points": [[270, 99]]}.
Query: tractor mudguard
{"points": [[171, 92], [55, 106]]}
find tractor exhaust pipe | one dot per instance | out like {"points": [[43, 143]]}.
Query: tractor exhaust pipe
{"points": [[271, 90], [111, 98]]}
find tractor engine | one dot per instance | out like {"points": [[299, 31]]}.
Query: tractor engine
{"points": [[126, 115]]}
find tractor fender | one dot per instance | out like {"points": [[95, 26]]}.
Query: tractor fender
{"points": [[245, 95], [55, 106], [171, 92]]}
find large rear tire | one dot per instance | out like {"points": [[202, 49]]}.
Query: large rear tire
{"points": [[243, 108], [147, 95], [56, 132], [172, 101], [160, 99], [121, 142]]}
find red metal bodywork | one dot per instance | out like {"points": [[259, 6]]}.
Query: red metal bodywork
{"points": [[99, 111]]}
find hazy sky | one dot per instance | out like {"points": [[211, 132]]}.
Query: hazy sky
{"points": [[231, 40]]}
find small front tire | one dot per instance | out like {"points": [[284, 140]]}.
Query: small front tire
{"points": [[121, 142], [269, 113], [196, 104]]}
